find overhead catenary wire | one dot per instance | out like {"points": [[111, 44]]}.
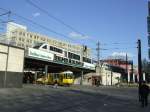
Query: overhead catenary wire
{"points": [[58, 20], [53, 17], [65, 24], [46, 28], [60, 34], [6, 13], [39, 25], [107, 49], [119, 43]]}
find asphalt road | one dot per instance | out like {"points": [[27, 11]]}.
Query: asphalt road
{"points": [[36, 98]]}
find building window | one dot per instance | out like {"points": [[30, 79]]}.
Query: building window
{"points": [[22, 45], [23, 34], [13, 38], [28, 40], [20, 39], [42, 38], [14, 32], [19, 44], [34, 37], [27, 46], [20, 33]]}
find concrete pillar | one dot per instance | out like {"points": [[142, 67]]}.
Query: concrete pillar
{"points": [[106, 79], [133, 77], [128, 76], [111, 78], [81, 81], [46, 70], [35, 76], [143, 76], [137, 77], [98, 73]]}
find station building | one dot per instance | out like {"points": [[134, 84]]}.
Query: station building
{"points": [[49, 55]]}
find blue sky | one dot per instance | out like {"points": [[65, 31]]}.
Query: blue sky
{"points": [[107, 21]]}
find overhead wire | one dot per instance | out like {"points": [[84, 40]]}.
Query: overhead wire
{"points": [[53, 17], [60, 21], [57, 19], [39, 25]]}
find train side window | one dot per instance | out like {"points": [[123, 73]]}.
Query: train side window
{"points": [[65, 53], [65, 76], [68, 76]]}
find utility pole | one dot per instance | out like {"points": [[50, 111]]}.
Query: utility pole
{"points": [[139, 62], [82, 55], [127, 67], [98, 67], [132, 71], [139, 66], [98, 53]]}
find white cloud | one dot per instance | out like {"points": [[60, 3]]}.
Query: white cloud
{"points": [[76, 35], [36, 14]]}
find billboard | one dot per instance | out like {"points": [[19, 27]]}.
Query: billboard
{"points": [[40, 54]]}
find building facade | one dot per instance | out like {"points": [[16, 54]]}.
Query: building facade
{"points": [[148, 28], [129, 73], [106, 77], [109, 77], [127, 65], [11, 71], [24, 38]]}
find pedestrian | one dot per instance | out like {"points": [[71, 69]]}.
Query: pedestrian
{"points": [[143, 93], [98, 83], [55, 84]]}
